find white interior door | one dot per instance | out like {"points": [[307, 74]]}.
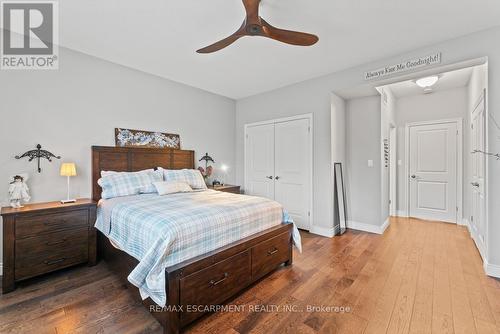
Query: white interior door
{"points": [[477, 184], [260, 161], [433, 171], [292, 169]]}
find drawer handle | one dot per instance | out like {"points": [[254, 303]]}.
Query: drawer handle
{"points": [[272, 252], [49, 263], [214, 283], [55, 243]]}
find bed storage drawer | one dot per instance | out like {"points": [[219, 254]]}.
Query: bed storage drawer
{"points": [[267, 255], [215, 284]]}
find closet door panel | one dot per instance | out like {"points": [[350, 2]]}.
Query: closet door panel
{"points": [[292, 169], [260, 161]]}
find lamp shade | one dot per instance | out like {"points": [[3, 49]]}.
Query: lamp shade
{"points": [[68, 169]]}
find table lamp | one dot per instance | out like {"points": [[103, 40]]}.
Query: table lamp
{"points": [[68, 170], [224, 169]]}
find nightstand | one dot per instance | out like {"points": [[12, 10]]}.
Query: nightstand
{"points": [[44, 237], [226, 188]]}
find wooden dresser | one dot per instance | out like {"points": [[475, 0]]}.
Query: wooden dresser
{"points": [[226, 188], [40, 238]]}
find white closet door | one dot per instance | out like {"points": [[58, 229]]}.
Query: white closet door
{"points": [[260, 161], [433, 172], [292, 169]]}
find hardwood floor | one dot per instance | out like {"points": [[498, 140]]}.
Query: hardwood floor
{"points": [[419, 277]]}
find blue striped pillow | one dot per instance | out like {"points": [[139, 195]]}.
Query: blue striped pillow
{"points": [[126, 184], [192, 177]]}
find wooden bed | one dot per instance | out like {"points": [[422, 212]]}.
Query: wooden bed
{"points": [[209, 279]]}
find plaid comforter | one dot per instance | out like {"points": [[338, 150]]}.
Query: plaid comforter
{"points": [[161, 231]]}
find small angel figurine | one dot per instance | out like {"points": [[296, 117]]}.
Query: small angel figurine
{"points": [[18, 191]]}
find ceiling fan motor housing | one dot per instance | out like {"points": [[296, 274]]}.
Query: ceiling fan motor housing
{"points": [[254, 29]]}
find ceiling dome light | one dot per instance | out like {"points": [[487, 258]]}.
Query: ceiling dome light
{"points": [[427, 81], [428, 90]]}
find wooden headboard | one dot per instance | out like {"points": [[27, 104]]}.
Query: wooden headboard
{"points": [[131, 159]]}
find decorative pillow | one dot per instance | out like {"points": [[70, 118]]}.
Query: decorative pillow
{"points": [[126, 184], [171, 187], [192, 177]]}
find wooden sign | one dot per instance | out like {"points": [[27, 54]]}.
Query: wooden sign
{"points": [[404, 66]]}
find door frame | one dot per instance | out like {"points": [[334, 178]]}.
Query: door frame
{"points": [[459, 180], [393, 177], [309, 117]]}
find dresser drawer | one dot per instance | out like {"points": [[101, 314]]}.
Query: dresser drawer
{"points": [[27, 267], [215, 284], [267, 255], [27, 226], [28, 248]]}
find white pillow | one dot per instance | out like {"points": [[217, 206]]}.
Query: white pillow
{"points": [[192, 177], [171, 187]]}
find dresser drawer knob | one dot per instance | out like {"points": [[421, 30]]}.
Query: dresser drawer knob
{"points": [[214, 283], [49, 263], [48, 243], [272, 252]]}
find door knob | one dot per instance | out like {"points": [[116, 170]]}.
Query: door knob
{"points": [[277, 177], [269, 177], [475, 184], [413, 176]]}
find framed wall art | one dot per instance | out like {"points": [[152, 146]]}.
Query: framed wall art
{"points": [[150, 139]]}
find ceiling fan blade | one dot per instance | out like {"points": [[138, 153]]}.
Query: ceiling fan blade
{"points": [[220, 44], [252, 9], [287, 36], [224, 42]]}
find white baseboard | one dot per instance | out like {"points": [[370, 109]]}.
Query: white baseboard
{"points": [[491, 269], [323, 231], [368, 227], [329, 232], [464, 222], [385, 225], [401, 213]]}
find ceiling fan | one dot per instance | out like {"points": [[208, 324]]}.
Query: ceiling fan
{"points": [[254, 25]]}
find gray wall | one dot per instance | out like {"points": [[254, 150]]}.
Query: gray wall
{"points": [[440, 105], [363, 182], [79, 105], [313, 96], [338, 128]]}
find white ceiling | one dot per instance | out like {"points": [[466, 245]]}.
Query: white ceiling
{"points": [[161, 36], [448, 80]]}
